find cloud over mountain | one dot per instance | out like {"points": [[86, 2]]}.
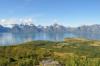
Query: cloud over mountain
{"points": [[10, 22]]}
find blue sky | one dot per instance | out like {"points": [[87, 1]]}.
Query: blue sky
{"points": [[46, 12]]}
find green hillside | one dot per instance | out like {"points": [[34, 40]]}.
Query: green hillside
{"points": [[70, 52]]}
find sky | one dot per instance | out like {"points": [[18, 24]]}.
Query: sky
{"points": [[47, 12]]}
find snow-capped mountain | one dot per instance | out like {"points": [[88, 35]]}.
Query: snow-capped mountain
{"points": [[32, 28], [55, 28]]}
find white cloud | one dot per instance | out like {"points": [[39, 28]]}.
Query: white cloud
{"points": [[9, 22], [26, 21]]}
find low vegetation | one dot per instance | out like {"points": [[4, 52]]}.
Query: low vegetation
{"points": [[70, 52]]}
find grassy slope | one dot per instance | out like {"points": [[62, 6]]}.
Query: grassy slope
{"points": [[71, 52]]}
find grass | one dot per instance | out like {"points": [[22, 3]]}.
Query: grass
{"points": [[70, 52]]}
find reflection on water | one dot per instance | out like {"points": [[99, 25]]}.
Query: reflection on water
{"points": [[15, 38], [89, 36]]}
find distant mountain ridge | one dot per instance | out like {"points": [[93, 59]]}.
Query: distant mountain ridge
{"points": [[16, 28], [55, 28]]}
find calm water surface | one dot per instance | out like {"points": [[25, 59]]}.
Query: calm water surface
{"points": [[16, 38]]}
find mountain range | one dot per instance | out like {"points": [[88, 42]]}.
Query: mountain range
{"points": [[55, 28]]}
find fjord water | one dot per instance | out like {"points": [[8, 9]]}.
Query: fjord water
{"points": [[16, 38]]}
